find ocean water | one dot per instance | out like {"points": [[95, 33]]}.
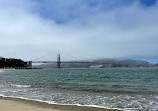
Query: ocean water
{"points": [[134, 89]]}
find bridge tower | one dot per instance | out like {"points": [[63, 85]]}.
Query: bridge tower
{"points": [[30, 63], [58, 61], [112, 64]]}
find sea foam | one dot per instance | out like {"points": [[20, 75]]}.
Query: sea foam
{"points": [[20, 86], [1, 71], [53, 103]]}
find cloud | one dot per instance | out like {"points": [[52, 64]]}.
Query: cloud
{"points": [[87, 30], [64, 11]]}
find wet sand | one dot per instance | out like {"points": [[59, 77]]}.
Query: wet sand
{"points": [[16, 104]]}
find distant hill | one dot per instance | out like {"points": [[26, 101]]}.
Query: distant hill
{"points": [[156, 64], [11, 63], [112, 63], [133, 63]]}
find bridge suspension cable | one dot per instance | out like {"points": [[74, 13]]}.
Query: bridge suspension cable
{"points": [[40, 57]]}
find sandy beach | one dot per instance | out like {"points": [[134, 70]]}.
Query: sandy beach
{"points": [[16, 104], [6, 105]]}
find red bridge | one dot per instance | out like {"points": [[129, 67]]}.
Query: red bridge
{"points": [[58, 62]]}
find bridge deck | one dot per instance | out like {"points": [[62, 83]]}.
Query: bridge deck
{"points": [[71, 62]]}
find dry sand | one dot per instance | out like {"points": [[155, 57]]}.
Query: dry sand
{"points": [[6, 105], [13, 104]]}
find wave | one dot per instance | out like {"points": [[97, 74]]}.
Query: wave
{"points": [[119, 89], [1, 71], [51, 103], [20, 86], [106, 90]]}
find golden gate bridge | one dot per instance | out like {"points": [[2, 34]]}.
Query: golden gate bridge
{"points": [[59, 62]]}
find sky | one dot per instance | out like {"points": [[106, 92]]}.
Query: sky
{"points": [[82, 29]]}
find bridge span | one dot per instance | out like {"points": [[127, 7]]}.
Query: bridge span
{"points": [[58, 62]]}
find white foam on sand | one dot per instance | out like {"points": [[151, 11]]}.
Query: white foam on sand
{"points": [[1, 95], [52, 102]]}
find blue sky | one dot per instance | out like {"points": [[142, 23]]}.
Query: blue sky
{"points": [[64, 11], [82, 28]]}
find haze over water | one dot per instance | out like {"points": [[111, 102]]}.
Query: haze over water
{"points": [[123, 88]]}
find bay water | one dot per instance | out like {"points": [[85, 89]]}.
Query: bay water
{"points": [[134, 89]]}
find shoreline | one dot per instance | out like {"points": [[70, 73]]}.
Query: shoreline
{"points": [[24, 103], [8, 103]]}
